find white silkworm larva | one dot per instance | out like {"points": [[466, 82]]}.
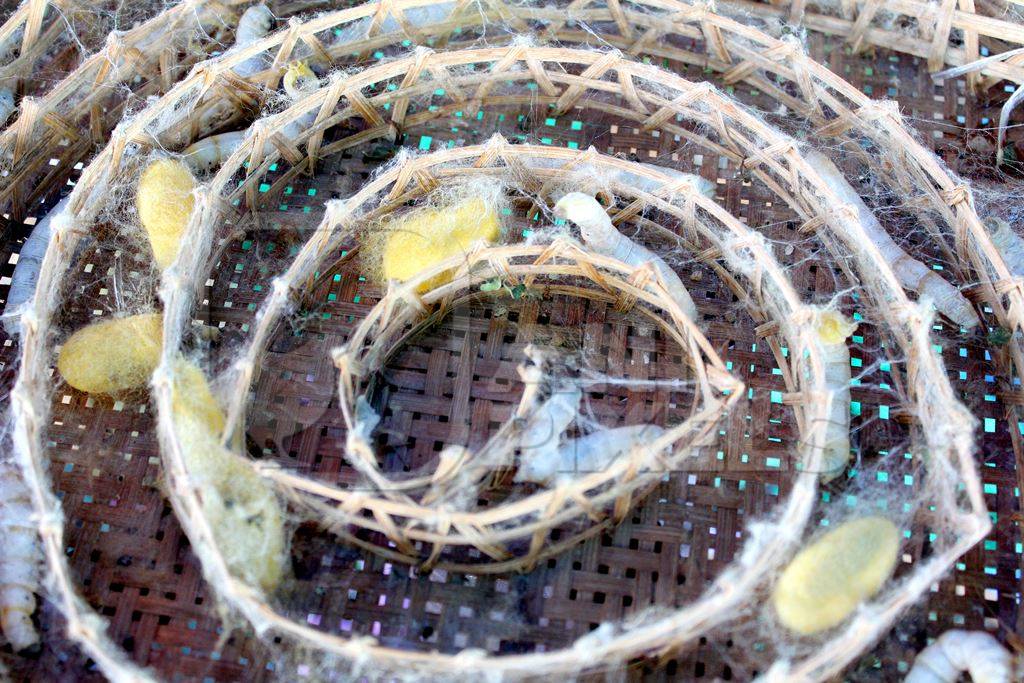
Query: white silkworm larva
{"points": [[833, 330], [255, 24], [540, 439], [415, 16], [587, 454], [19, 562], [600, 235], [1009, 244], [910, 272], [954, 652], [26, 271], [702, 185], [207, 154], [6, 105]]}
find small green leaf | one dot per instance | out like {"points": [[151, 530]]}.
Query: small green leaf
{"points": [[491, 285], [517, 291]]}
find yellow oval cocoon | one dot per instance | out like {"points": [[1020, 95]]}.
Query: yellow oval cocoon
{"points": [[113, 355], [828, 579], [425, 237], [194, 405], [164, 200], [242, 509]]}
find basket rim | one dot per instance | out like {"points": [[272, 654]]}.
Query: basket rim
{"points": [[948, 196], [33, 320], [797, 506]]}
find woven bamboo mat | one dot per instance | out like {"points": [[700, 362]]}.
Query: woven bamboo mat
{"points": [[134, 562]]}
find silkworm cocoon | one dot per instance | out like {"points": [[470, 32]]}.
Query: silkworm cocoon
{"points": [[833, 330], [19, 562], [1009, 244], [585, 455], [242, 510], [955, 652], [600, 235], [254, 24], [911, 273], [164, 201], [113, 355], [828, 579], [26, 271], [424, 237]]}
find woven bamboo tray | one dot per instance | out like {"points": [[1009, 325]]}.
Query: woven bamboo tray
{"points": [[70, 106], [953, 32], [634, 530], [755, 58], [45, 40]]}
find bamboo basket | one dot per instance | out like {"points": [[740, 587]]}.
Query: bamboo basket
{"points": [[44, 40], [90, 97], [573, 75], [589, 562], [808, 89], [953, 32], [693, 35]]}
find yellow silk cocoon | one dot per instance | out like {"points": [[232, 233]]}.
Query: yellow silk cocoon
{"points": [[828, 579], [241, 508], [113, 355], [425, 237], [164, 201]]}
